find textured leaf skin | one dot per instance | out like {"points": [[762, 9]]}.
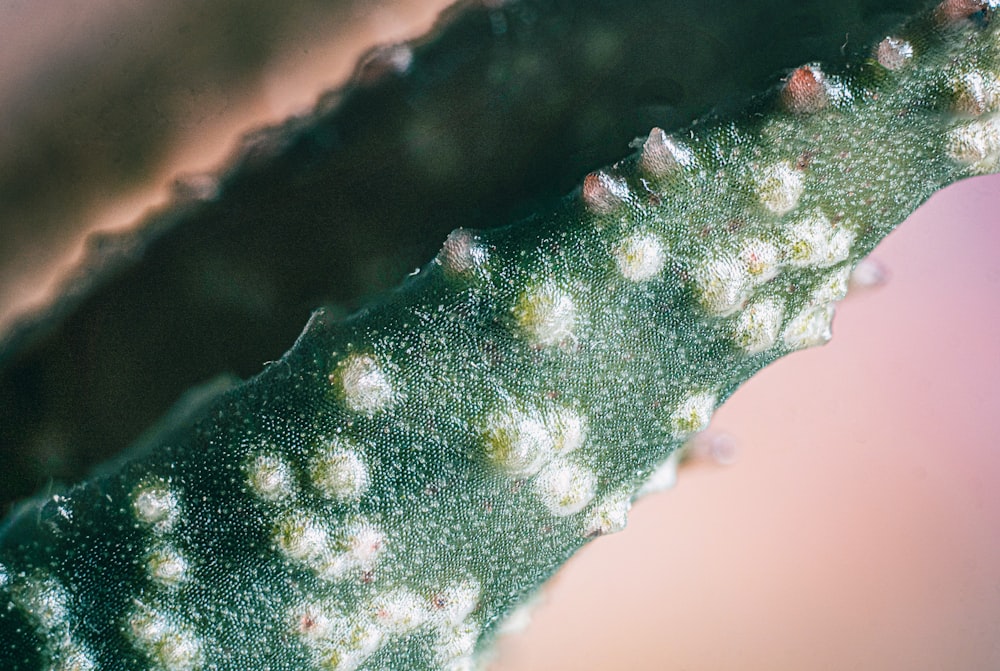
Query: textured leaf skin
{"points": [[393, 487]]}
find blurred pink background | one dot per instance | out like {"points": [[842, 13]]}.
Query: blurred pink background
{"points": [[859, 527]]}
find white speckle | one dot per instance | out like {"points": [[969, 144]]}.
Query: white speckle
{"points": [[453, 605], [340, 473], [270, 478], [166, 566], [809, 328], [833, 287], [757, 327], [302, 538], [399, 611], [664, 477], [155, 504], [45, 601], [609, 516], [640, 257], [723, 285], [569, 431], [893, 53], [462, 253], [547, 315], [976, 143], [358, 549], [565, 488], [761, 260], [72, 658], [169, 646], [4, 577], [816, 242], [662, 155], [602, 193], [779, 187], [518, 443], [364, 384], [693, 414]]}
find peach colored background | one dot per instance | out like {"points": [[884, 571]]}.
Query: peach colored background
{"points": [[860, 525]]}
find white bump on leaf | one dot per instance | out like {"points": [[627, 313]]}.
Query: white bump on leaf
{"points": [[340, 473], [453, 605], [693, 414], [809, 328], [568, 431], [166, 566], [976, 93], [565, 488], [44, 600], [399, 611], [893, 53], [270, 478], [609, 516], [518, 443], [816, 242], [833, 287], [547, 315], [302, 538], [976, 143], [779, 187], [663, 155], [723, 285], [462, 253], [640, 257], [758, 325], [359, 548], [364, 384], [664, 477], [168, 645], [761, 260], [155, 504]]}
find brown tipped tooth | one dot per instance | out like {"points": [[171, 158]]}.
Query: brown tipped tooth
{"points": [[602, 193], [804, 92]]}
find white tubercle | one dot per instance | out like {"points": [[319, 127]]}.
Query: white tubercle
{"points": [[358, 549], [779, 187], [454, 647], [815, 242], [154, 504], [723, 285], [609, 516], [976, 143], [167, 567], [302, 538], [976, 93], [761, 259], [663, 155], [693, 414], [565, 488], [569, 430], [170, 646], [339, 472], [399, 611], [893, 53], [364, 384], [314, 623], [833, 287], [809, 328], [270, 478], [462, 253], [44, 600], [518, 443], [454, 604], [758, 325], [640, 257], [664, 477], [547, 315]]}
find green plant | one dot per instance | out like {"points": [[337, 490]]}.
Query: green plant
{"points": [[400, 481]]}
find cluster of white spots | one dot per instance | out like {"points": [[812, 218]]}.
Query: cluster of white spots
{"points": [[339, 472], [976, 143], [462, 253], [602, 193], [893, 53], [664, 477], [565, 488], [517, 442], [779, 187], [4, 577], [363, 383], [345, 642], [693, 414], [303, 538], [270, 477], [725, 283], [662, 155], [166, 566], [815, 241], [976, 93], [758, 325], [169, 645], [640, 257], [307, 540], [809, 328], [608, 516], [833, 287], [46, 603], [155, 504], [547, 315], [806, 90]]}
